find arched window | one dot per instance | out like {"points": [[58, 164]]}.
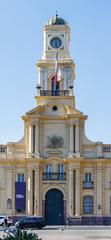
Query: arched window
{"points": [[9, 203], [88, 204]]}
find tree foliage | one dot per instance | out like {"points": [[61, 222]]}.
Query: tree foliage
{"points": [[21, 235]]}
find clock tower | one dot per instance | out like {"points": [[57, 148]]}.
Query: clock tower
{"points": [[56, 34], [54, 130], [56, 39]]}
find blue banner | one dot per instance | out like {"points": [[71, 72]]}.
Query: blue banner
{"points": [[20, 196]]}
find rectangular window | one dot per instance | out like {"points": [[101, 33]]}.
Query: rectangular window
{"points": [[61, 171], [60, 168], [48, 171], [48, 168], [88, 177], [20, 177], [88, 204], [2, 149], [88, 183]]}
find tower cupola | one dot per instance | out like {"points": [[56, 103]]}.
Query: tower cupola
{"points": [[56, 21], [56, 68]]}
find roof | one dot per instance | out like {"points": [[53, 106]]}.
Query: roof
{"points": [[56, 21]]}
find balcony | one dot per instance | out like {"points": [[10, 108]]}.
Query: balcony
{"points": [[54, 93], [54, 176], [88, 185]]}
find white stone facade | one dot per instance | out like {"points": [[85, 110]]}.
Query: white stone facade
{"points": [[54, 153]]}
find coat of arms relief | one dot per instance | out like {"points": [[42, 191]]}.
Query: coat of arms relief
{"points": [[55, 141]]}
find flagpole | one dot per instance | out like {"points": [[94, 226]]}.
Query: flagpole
{"points": [[56, 71]]}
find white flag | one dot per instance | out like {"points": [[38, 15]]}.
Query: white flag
{"points": [[59, 75]]}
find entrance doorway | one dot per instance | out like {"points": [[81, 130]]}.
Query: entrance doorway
{"points": [[54, 207]]}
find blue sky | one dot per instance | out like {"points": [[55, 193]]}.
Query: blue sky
{"points": [[21, 23]]}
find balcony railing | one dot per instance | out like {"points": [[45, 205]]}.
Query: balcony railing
{"points": [[54, 93], [88, 185], [54, 176]]}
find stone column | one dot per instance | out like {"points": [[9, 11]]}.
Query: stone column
{"points": [[39, 75], [37, 139], [39, 81], [65, 80], [29, 192], [70, 191], [37, 191], [13, 189], [27, 139], [99, 189], [71, 140], [99, 149], [9, 190], [77, 138], [77, 192], [30, 138]]}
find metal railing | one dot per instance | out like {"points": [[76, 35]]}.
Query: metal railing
{"points": [[54, 93], [54, 176], [88, 185]]}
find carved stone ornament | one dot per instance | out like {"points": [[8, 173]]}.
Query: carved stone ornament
{"points": [[55, 141]]}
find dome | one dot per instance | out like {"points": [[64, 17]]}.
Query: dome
{"points": [[56, 21]]}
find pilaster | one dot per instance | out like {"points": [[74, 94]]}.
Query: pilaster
{"points": [[77, 192], [30, 139], [29, 192], [37, 191], [37, 140], [71, 140], [77, 139], [99, 189], [70, 191]]}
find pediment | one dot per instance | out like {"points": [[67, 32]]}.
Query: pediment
{"points": [[53, 109], [49, 109], [71, 110], [36, 111]]}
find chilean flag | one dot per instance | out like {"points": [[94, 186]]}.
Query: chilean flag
{"points": [[57, 72]]}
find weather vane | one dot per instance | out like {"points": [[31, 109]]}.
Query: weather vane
{"points": [[56, 13]]}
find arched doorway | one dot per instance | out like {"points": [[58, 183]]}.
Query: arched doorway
{"points": [[55, 86], [54, 207]]}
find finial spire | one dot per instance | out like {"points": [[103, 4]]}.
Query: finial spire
{"points": [[56, 13]]}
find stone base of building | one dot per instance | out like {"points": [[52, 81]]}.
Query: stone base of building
{"points": [[89, 221], [71, 221]]}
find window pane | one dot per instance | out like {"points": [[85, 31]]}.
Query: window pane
{"points": [[61, 168], [20, 177], [48, 168], [88, 204], [87, 177]]}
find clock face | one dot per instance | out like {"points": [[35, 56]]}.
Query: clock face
{"points": [[56, 42]]}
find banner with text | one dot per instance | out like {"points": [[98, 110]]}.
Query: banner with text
{"points": [[20, 196]]}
